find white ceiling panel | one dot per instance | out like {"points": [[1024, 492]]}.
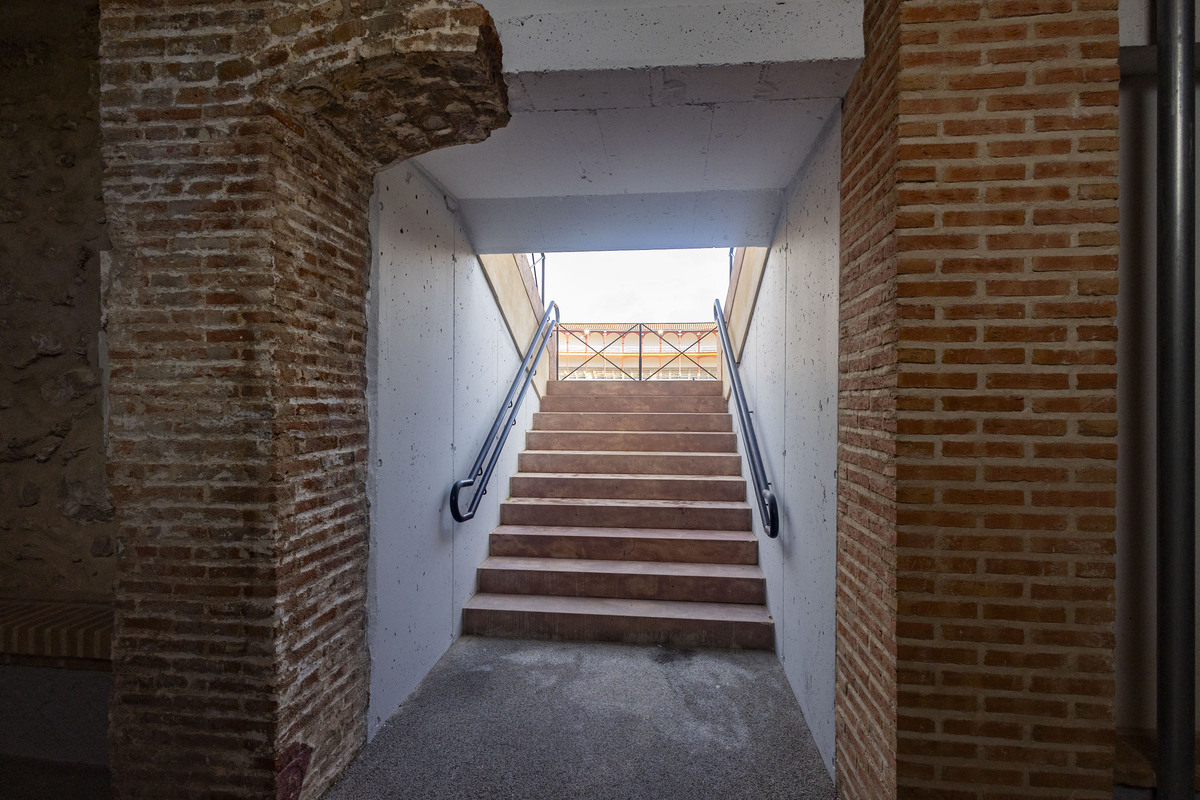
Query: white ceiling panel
{"points": [[763, 144], [537, 155], [650, 124], [656, 149]]}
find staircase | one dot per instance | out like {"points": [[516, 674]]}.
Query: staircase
{"points": [[627, 522]]}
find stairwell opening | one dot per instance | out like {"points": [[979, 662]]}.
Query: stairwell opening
{"points": [[430, 409]]}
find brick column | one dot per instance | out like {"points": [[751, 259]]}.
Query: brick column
{"points": [[240, 141], [865, 705], [1005, 393]]}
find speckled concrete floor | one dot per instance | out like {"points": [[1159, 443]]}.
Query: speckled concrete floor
{"points": [[519, 719]]}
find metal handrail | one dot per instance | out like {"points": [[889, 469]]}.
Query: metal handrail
{"points": [[508, 411], [767, 505]]}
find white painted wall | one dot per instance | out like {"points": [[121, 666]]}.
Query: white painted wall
{"points": [[789, 371], [440, 361], [1137, 365]]}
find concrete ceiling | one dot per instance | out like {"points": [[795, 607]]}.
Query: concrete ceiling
{"points": [[650, 125]]}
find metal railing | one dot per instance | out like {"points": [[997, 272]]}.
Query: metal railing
{"points": [[505, 420], [767, 505], [638, 351]]}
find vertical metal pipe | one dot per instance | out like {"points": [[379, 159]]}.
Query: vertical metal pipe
{"points": [[1176, 400]]}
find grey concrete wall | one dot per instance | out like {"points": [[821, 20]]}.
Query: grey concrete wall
{"points": [[441, 360], [789, 369], [57, 537], [1137, 365]]}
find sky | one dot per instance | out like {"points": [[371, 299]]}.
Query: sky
{"points": [[637, 285]]}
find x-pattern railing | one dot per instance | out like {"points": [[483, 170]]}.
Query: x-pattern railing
{"points": [[574, 334], [653, 345]]}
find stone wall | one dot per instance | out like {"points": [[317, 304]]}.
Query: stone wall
{"points": [[57, 536], [240, 141]]}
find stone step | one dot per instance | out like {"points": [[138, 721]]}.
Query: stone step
{"points": [[639, 580], [588, 512], [610, 462], [628, 487], [687, 624], [633, 388], [633, 441], [617, 421], [635, 544], [628, 463], [652, 404]]}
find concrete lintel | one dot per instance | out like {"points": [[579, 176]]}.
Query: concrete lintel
{"points": [[622, 222], [565, 36], [656, 87]]}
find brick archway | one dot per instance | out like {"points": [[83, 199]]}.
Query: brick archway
{"points": [[240, 141]]}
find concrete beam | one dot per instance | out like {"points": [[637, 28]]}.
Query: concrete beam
{"points": [[622, 222], [540, 36]]}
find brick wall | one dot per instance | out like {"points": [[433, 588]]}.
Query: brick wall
{"points": [[57, 535], [987, 619], [1006, 479], [240, 142], [865, 705]]}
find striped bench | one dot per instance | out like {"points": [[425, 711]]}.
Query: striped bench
{"points": [[56, 634]]}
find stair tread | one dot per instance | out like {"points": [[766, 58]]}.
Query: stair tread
{"points": [[620, 607], [632, 441], [620, 502], [598, 566], [619, 403], [635, 413], [585, 388], [606, 453], [632, 476], [628, 533], [626, 432]]}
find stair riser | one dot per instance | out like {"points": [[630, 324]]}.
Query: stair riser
{"points": [[631, 441], [628, 489], [618, 548], [543, 421], [634, 587], [587, 516], [613, 628], [703, 404], [616, 463], [633, 388]]}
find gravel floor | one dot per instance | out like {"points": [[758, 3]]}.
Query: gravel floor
{"points": [[516, 719]]}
